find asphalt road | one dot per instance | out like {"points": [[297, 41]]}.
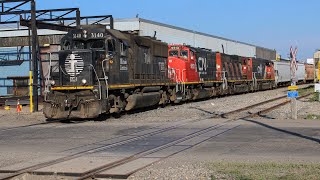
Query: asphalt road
{"points": [[251, 140]]}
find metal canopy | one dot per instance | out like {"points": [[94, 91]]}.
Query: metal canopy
{"points": [[24, 13], [62, 19]]}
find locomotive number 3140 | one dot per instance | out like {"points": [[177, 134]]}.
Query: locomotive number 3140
{"points": [[97, 35]]}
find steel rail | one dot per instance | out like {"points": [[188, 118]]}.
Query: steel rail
{"points": [[275, 106], [224, 115], [138, 155], [30, 125]]}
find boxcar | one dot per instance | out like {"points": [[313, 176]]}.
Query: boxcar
{"points": [[282, 72]]}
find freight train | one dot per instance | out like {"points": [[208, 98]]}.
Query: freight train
{"points": [[105, 71]]}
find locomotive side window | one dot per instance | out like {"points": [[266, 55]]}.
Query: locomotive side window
{"points": [[244, 61], [111, 46], [99, 44], [192, 55], [66, 45], [173, 53], [184, 54], [123, 48]]}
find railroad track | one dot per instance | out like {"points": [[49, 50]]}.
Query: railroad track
{"points": [[31, 169], [264, 110], [237, 111], [29, 125], [104, 170], [217, 129]]}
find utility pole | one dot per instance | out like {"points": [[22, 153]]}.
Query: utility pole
{"points": [[78, 18], [34, 56]]}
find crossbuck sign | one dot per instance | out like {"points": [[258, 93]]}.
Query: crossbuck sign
{"points": [[293, 65]]}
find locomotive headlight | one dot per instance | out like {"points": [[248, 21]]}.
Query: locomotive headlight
{"points": [[84, 81], [53, 82]]}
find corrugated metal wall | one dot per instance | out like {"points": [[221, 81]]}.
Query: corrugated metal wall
{"points": [[126, 24], [266, 53], [176, 35]]}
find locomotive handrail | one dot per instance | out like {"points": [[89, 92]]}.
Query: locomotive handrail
{"points": [[183, 84], [47, 83], [224, 80], [105, 77], [95, 72], [254, 79], [183, 70], [63, 71], [178, 76]]}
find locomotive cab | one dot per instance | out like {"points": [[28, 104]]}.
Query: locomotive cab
{"points": [[79, 81], [182, 64], [270, 71]]}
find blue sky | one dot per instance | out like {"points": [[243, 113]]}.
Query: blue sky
{"points": [[275, 24]]}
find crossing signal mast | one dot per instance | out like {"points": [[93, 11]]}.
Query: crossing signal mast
{"points": [[293, 65], [293, 93]]}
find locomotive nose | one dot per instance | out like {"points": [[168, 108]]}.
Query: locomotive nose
{"points": [[76, 66]]}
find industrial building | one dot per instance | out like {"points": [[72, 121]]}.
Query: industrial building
{"points": [[173, 34], [166, 33]]}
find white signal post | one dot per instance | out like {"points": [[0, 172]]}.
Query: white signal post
{"points": [[317, 84], [292, 89]]}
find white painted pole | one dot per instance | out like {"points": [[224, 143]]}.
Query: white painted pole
{"points": [[293, 67]]}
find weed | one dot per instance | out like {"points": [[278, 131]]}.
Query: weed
{"points": [[315, 97], [312, 116], [261, 171]]}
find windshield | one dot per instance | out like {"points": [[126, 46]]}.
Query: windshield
{"points": [[79, 45], [98, 44], [173, 53]]}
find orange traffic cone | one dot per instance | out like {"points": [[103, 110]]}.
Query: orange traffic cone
{"points": [[18, 106]]}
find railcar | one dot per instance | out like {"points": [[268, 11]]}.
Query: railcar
{"points": [[283, 74], [309, 73]]}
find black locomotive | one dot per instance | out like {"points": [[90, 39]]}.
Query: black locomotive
{"points": [[106, 71]]}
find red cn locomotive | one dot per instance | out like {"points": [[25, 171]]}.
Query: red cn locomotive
{"points": [[205, 73]]}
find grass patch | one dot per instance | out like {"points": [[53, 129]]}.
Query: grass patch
{"points": [[306, 90], [312, 116], [315, 97], [262, 171]]}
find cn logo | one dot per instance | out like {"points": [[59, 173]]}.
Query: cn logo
{"points": [[202, 64]]}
